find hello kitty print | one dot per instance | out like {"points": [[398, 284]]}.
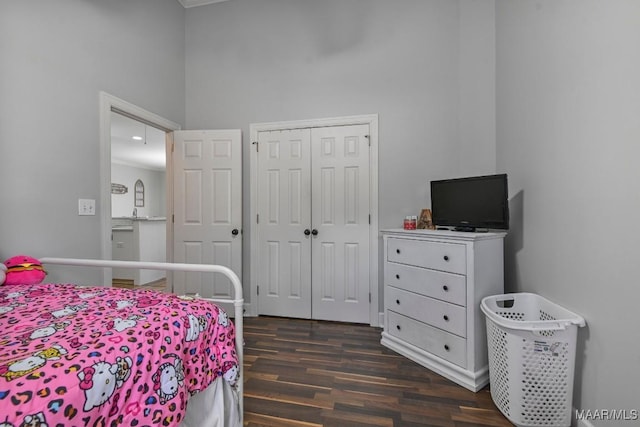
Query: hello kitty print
{"points": [[78, 356]]}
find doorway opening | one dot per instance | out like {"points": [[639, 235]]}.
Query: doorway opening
{"points": [[117, 119], [138, 199]]}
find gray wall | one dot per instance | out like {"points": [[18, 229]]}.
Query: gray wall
{"points": [[56, 57], [568, 132], [425, 66]]}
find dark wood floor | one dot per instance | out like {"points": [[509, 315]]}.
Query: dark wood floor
{"points": [[310, 373]]}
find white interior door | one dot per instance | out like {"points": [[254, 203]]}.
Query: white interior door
{"points": [[313, 223], [207, 200], [284, 206], [341, 216]]}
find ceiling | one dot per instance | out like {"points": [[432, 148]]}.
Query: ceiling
{"points": [[194, 3], [147, 153]]}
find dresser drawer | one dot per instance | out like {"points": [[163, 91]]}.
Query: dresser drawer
{"points": [[443, 315], [449, 257], [445, 345], [432, 283]]}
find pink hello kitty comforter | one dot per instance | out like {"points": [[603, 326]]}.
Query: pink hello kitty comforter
{"points": [[78, 356]]}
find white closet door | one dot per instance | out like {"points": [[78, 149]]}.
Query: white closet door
{"points": [[284, 202], [340, 201], [207, 208]]}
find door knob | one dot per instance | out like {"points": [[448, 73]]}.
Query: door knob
{"points": [[314, 232], [307, 232], [235, 231]]}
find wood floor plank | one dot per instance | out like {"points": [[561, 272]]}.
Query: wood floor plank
{"points": [[304, 373], [261, 420], [347, 417]]}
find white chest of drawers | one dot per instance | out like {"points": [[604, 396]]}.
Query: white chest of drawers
{"points": [[433, 284]]}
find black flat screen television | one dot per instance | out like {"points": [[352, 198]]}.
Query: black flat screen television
{"points": [[470, 203]]}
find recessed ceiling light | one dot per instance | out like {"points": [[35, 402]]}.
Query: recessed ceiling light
{"points": [[137, 138]]}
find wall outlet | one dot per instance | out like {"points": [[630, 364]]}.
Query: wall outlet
{"points": [[86, 207]]}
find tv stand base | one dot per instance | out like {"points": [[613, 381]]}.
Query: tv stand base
{"points": [[465, 229]]}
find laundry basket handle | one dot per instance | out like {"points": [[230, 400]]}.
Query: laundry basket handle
{"points": [[489, 305]]}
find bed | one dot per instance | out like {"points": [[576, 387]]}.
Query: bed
{"points": [[76, 355]]}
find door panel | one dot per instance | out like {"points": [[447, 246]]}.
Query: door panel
{"points": [[207, 208], [284, 284], [340, 200], [314, 180]]}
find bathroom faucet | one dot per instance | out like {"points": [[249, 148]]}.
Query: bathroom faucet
{"points": [[135, 212]]}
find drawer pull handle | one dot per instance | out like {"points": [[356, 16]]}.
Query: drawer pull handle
{"points": [[398, 276], [445, 288], [446, 318], [446, 347], [446, 257], [398, 327], [397, 251], [398, 301]]}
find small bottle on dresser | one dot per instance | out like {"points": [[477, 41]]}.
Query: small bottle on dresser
{"points": [[410, 222]]}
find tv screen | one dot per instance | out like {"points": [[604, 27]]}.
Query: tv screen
{"points": [[470, 203]]}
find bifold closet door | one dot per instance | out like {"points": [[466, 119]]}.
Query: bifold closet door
{"points": [[340, 216], [284, 206], [313, 223]]}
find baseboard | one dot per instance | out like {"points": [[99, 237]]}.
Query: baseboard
{"points": [[250, 310]]}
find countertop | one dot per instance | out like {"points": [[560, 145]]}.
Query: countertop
{"points": [[126, 223], [142, 218]]}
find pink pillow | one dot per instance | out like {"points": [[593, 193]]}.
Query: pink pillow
{"points": [[24, 270]]}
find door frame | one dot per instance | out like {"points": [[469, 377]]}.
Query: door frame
{"points": [[368, 119], [109, 103]]}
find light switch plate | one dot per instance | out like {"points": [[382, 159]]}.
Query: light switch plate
{"points": [[86, 207]]}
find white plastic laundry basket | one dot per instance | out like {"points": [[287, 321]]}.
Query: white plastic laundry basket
{"points": [[532, 351]]}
